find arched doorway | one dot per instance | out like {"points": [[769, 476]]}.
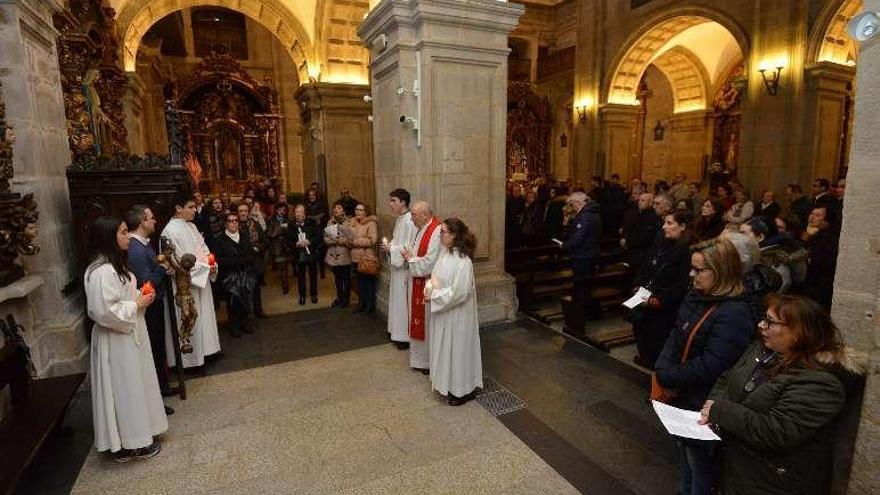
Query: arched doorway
{"points": [[668, 81]]}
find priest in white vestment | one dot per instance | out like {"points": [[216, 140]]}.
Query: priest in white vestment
{"points": [[183, 234], [456, 364], [399, 288], [421, 255], [127, 408]]}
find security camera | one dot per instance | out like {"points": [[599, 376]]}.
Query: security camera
{"points": [[368, 98], [414, 122], [401, 91], [403, 119], [369, 118], [864, 26]]}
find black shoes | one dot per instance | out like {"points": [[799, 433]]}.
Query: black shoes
{"points": [[400, 345], [336, 302], [235, 333], [314, 299], [247, 330], [168, 411], [457, 401], [302, 300], [126, 455], [423, 371], [261, 315]]}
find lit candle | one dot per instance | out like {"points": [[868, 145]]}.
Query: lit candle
{"points": [[211, 260], [385, 241]]}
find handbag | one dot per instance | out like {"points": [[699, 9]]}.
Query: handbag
{"points": [[369, 263], [662, 394]]}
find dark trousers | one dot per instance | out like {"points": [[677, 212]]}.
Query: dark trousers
{"points": [[582, 306], [312, 269], [698, 468], [651, 333], [342, 276], [367, 291], [155, 318], [237, 315]]}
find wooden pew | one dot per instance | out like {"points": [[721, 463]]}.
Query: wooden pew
{"points": [[38, 409]]}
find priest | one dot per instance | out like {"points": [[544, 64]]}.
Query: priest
{"points": [[399, 288], [421, 256], [185, 237], [456, 365]]}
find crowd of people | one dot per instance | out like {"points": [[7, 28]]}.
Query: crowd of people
{"points": [[732, 318], [226, 247]]}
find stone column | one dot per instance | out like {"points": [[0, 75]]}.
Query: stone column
{"points": [[337, 139], [35, 108], [825, 102], [588, 158], [856, 305], [453, 154], [618, 127]]}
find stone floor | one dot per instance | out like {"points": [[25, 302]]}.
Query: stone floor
{"points": [[318, 402]]}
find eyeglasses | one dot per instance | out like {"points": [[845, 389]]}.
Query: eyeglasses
{"points": [[233, 220], [767, 321]]}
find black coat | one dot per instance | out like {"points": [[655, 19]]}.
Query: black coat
{"points": [[313, 234], [779, 435], [770, 212], [640, 231], [717, 345], [666, 273], [233, 256], [822, 265], [586, 229]]}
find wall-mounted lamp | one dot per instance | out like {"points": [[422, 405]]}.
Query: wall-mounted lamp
{"points": [[771, 83], [582, 113]]}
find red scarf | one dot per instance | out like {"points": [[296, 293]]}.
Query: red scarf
{"points": [[417, 316]]}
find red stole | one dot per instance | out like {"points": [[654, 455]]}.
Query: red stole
{"points": [[417, 315]]}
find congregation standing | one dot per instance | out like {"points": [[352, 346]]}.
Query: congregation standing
{"points": [[735, 324]]}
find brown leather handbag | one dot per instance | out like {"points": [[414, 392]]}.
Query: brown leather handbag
{"points": [[369, 263], [662, 394]]}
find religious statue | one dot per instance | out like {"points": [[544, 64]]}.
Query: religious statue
{"points": [[183, 298], [100, 123], [176, 141]]}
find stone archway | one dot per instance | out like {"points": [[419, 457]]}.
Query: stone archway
{"points": [[136, 18], [622, 83], [829, 41]]}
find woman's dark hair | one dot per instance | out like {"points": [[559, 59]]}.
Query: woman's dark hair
{"points": [[760, 226], [817, 341], [337, 203], [465, 241], [401, 194], [104, 248], [366, 208], [706, 228], [684, 217], [280, 205]]}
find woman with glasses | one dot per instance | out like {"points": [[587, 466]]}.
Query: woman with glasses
{"points": [[364, 258], [713, 328], [237, 277], [776, 408]]}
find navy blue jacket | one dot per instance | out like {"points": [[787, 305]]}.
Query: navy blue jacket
{"points": [[142, 260], [717, 346], [586, 229]]}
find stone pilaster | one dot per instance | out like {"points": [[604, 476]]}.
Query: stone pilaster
{"points": [[690, 139], [453, 155], [618, 127], [35, 108], [856, 307], [337, 139], [825, 100]]}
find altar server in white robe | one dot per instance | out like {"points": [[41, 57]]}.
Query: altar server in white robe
{"points": [[127, 409], [399, 288], [456, 364], [183, 234], [421, 255]]}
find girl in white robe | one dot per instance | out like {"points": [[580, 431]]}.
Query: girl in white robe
{"points": [[456, 364], [127, 406]]}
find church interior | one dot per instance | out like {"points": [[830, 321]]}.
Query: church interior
{"points": [[498, 113]]}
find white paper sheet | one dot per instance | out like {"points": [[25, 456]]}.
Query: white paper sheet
{"points": [[641, 296], [557, 241], [683, 423]]}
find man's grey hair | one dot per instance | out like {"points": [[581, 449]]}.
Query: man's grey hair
{"points": [[747, 248], [579, 197], [666, 198], [422, 206]]}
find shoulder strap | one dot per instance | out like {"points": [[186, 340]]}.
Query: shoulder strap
{"points": [[687, 347]]}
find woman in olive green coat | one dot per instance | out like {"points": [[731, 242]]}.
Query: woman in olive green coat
{"points": [[776, 408]]}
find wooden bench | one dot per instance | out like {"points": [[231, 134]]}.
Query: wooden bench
{"points": [[38, 409]]}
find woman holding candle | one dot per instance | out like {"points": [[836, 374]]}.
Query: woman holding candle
{"points": [[126, 402]]}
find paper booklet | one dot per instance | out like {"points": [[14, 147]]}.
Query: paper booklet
{"points": [[641, 296], [683, 423]]}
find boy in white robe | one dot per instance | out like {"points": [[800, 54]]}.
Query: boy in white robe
{"points": [[421, 256], [185, 237], [399, 288]]}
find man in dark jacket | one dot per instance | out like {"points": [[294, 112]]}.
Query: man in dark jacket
{"points": [[257, 237], [640, 229], [583, 246], [306, 237], [142, 260], [822, 243], [798, 204]]}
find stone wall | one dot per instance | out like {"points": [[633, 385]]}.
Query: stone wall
{"points": [[35, 108]]}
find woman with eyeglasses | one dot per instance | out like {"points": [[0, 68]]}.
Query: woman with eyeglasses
{"points": [[776, 408], [713, 328], [364, 257], [237, 277]]}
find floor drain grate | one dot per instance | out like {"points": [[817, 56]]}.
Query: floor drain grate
{"points": [[496, 399]]}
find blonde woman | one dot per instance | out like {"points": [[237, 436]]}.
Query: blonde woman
{"points": [[716, 320]]}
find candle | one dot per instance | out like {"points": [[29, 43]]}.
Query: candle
{"points": [[385, 241], [211, 260], [147, 289]]}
